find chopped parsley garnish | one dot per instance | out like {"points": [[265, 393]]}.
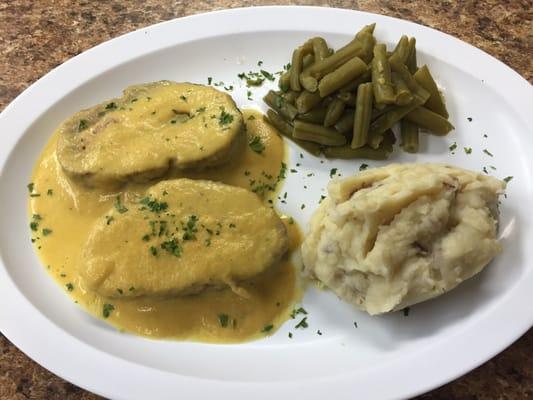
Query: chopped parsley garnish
{"points": [[332, 172], [355, 324], [34, 226], [121, 208], [224, 118], [453, 146], [154, 205], [209, 80], [108, 219], [46, 231], [146, 238], [318, 332], [107, 310], [37, 217], [256, 145], [153, 250], [488, 153], [182, 97], [267, 328], [223, 320], [111, 106], [249, 95], [228, 88], [50, 192], [322, 197], [468, 150], [290, 335], [82, 125], [70, 287], [190, 228], [302, 206], [267, 75], [363, 166], [302, 324], [30, 187], [297, 311], [200, 110], [120, 291], [259, 63], [287, 66], [406, 311], [469, 119], [507, 179], [172, 247]]}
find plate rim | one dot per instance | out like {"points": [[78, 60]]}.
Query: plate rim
{"points": [[94, 358]]}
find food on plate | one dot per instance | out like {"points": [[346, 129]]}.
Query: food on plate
{"points": [[150, 129], [86, 235], [394, 236], [181, 237], [350, 99]]}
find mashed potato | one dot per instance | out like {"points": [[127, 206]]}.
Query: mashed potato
{"points": [[398, 235]]}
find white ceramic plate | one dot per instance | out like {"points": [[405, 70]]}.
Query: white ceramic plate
{"points": [[384, 357]]}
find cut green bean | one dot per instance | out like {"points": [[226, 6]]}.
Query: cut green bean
{"points": [[409, 133], [297, 64], [315, 116], [286, 130], [345, 124], [334, 112], [284, 81], [352, 86], [363, 111], [366, 29], [290, 96], [320, 48], [430, 120], [308, 60], [400, 68], [378, 112], [403, 94], [341, 76], [318, 134], [275, 101], [368, 41], [347, 98], [411, 59], [381, 153], [401, 51], [306, 101], [381, 76], [387, 120], [331, 63], [435, 102]]}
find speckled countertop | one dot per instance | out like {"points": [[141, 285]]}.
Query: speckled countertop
{"points": [[38, 35]]}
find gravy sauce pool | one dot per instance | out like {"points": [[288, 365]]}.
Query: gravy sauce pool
{"points": [[64, 212]]}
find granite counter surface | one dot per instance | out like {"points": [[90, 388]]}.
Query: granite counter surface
{"points": [[38, 35]]}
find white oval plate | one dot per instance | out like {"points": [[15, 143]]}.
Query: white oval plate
{"points": [[383, 357]]}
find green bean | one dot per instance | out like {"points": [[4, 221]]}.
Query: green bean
{"points": [[429, 120], [345, 123], [308, 60], [315, 116], [331, 63], [306, 101], [403, 94], [284, 81], [435, 102], [334, 112], [363, 111], [366, 29], [401, 51], [297, 64], [290, 96], [352, 86], [286, 130], [368, 41], [317, 133], [381, 76], [347, 98], [400, 68], [388, 119], [378, 112], [381, 153], [409, 132], [275, 101], [411, 59], [320, 48], [341, 76]]}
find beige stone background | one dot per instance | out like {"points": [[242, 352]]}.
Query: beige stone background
{"points": [[36, 36]]}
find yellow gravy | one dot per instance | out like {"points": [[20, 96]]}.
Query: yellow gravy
{"points": [[62, 214]]}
